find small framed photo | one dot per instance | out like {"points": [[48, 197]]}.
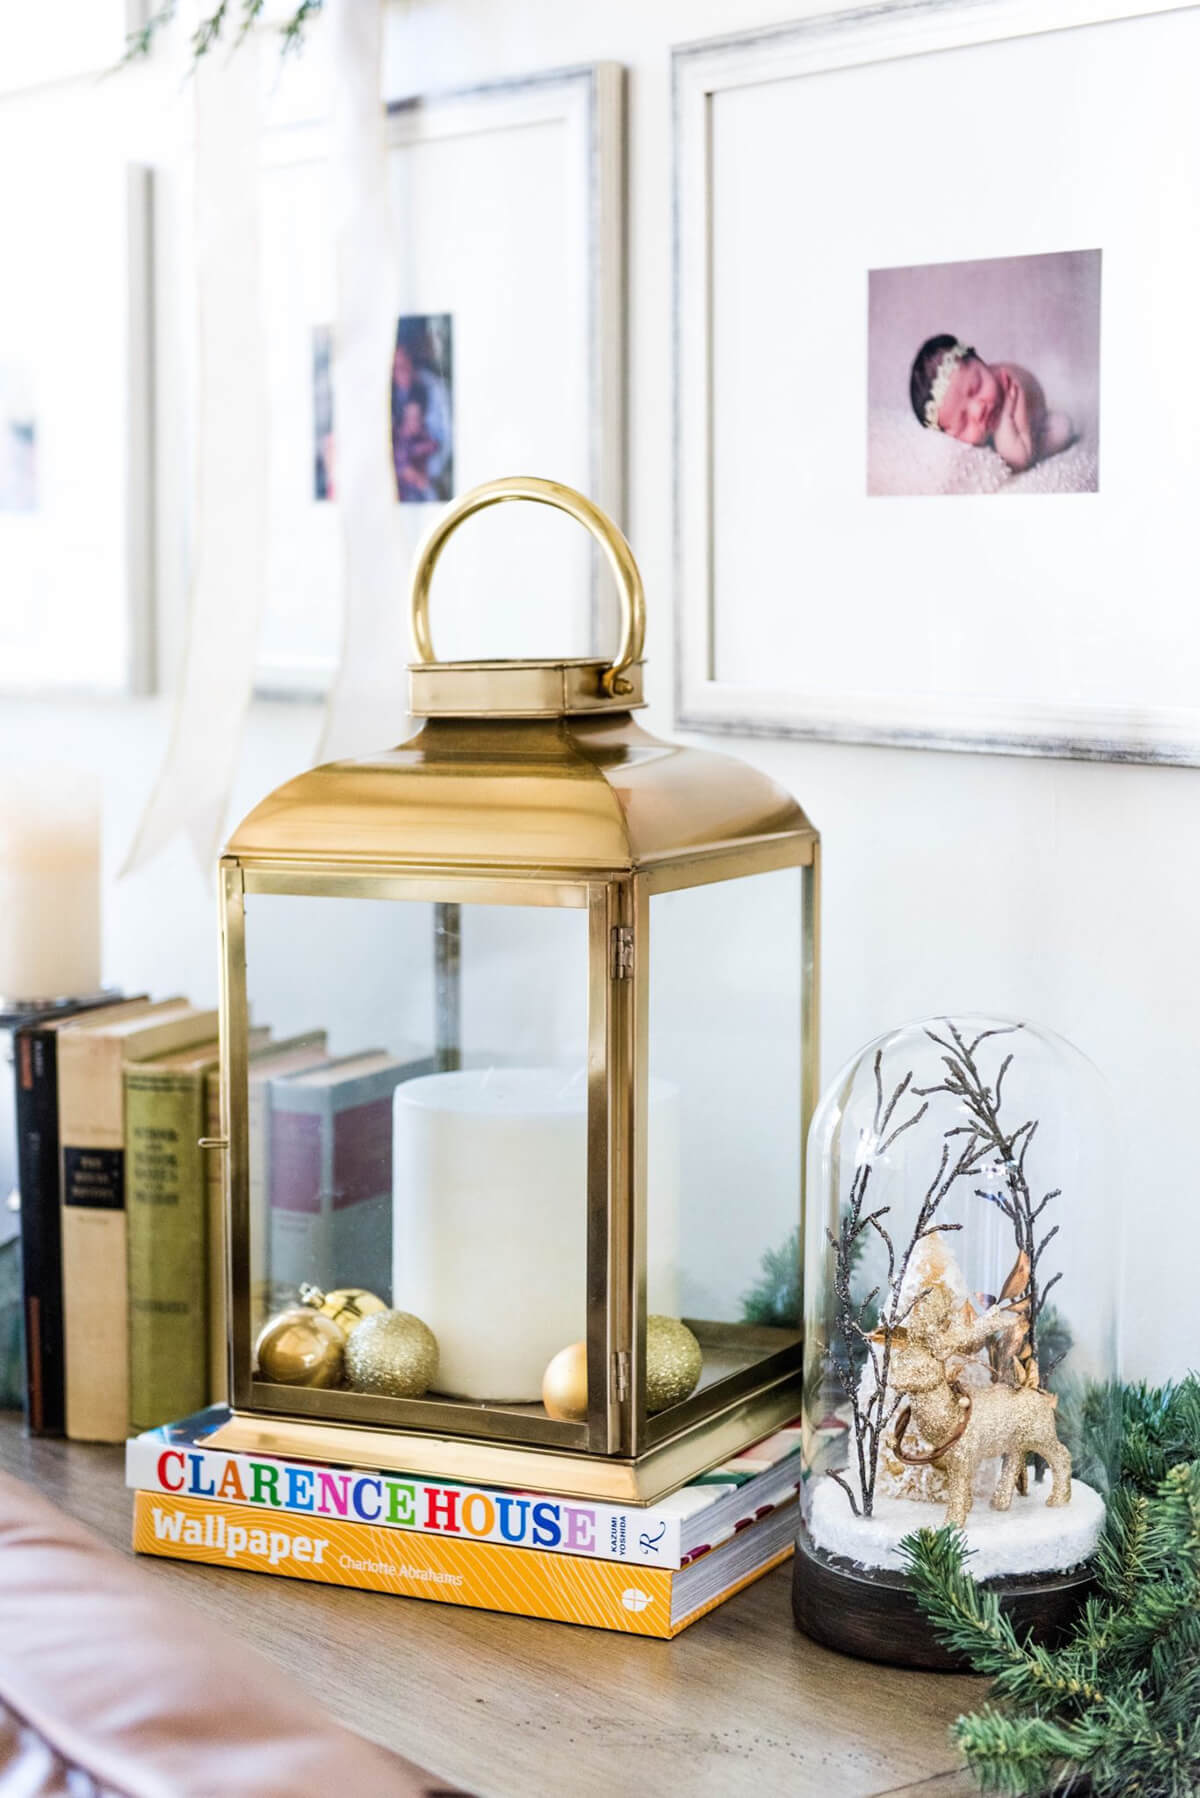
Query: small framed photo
{"points": [[76, 396], [423, 408], [507, 357], [1024, 422], [934, 463]]}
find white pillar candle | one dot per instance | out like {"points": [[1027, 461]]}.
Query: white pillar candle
{"points": [[489, 1231], [49, 885]]}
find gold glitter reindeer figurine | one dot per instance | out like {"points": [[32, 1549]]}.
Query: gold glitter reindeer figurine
{"points": [[969, 1427]]}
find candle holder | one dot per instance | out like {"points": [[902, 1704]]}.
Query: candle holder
{"points": [[566, 976]]}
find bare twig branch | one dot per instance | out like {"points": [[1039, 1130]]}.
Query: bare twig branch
{"points": [[836, 1476], [906, 1125]]}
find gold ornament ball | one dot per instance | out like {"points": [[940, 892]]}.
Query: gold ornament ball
{"points": [[300, 1347], [564, 1385], [673, 1362], [348, 1306], [392, 1352]]}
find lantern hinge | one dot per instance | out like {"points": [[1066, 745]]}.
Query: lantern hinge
{"points": [[620, 1364], [621, 956]]}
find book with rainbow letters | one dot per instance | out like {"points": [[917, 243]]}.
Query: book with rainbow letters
{"points": [[172, 1461], [445, 1569]]}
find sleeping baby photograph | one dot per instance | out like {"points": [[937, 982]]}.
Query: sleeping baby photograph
{"points": [[1008, 404]]}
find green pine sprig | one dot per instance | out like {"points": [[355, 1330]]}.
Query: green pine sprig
{"points": [[223, 24], [1118, 1702]]}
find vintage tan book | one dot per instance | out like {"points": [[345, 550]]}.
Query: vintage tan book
{"points": [[91, 1130], [291, 1056]]}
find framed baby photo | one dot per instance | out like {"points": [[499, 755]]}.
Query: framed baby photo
{"points": [[506, 355], [76, 420], [936, 278]]}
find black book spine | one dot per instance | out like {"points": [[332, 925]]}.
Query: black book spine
{"points": [[41, 1228]]}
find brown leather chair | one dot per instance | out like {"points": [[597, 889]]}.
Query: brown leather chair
{"points": [[109, 1687]]}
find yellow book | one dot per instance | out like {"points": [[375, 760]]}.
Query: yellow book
{"points": [[486, 1576], [91, 1131]]}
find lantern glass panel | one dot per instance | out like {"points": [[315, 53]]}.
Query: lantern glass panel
{"points": [[434, 1149], [726, 1116]]}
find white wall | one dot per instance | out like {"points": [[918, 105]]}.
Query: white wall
{"points": [[1066, 892]]}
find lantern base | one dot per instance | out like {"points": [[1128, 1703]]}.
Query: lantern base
{"points": [[611, 1479], [874, 1616]]}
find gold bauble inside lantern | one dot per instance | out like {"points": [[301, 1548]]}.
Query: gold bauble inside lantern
{"points": [[300, 1347], [347, 1306], [674, 1361], [564, 1385], [393, 1353]]}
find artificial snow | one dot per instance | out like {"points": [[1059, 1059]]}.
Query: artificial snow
{"points": [[1032, 1537]]}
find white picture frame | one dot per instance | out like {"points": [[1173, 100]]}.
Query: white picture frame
{"points": [[77, 487], [541, 159], [810, 155]]}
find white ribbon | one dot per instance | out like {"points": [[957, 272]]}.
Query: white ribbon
{"points": [[193, 787]]}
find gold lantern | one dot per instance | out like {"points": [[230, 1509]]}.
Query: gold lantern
{"points": [[566, 979]]}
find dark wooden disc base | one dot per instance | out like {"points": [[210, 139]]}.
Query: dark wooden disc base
{"points": [[874, 1616]]}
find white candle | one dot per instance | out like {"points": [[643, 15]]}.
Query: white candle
{"points": [[489, 1230], [49, 885]]}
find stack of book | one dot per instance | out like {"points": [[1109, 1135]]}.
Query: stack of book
{"points": [[646, 1571], [122, 1222], [121, 1215], [109, 1181]]}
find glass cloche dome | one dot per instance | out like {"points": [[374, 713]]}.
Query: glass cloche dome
{"points": [[961, 1263]]}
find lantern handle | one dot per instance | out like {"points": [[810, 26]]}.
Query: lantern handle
{"points": [[566, 499]]}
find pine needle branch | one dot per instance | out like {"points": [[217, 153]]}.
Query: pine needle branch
{"points": [[1118, 1702]]}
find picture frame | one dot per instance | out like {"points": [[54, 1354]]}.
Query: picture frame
{"points": [[1033, 612], [510, 199], [77, 466]]}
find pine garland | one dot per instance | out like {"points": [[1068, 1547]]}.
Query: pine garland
{"points": [[223, 23], [1119, 1701]]}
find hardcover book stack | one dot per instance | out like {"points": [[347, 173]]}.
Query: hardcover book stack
{"points": [[122, 1215], [97, 1156], [645, 1571]]}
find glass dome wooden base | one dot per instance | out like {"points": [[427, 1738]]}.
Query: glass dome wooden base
{"points": [[874, 1616]]}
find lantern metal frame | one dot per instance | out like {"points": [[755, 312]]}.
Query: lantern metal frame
{"points": [[336, 832]]}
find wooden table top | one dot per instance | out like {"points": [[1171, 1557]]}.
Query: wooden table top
{"points": [[511, 1707]]}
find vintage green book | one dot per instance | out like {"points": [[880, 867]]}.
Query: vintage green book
{"points": [[167, 1230], [166, 1233]]}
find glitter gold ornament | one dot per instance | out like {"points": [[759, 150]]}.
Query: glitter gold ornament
{"points": [[564, 1385], [673, 1362], [347, 1306], [393, 1353], [300, 1347]]}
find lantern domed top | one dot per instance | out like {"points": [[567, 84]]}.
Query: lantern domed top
{"points": [[596, 794], [523, 764]]}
